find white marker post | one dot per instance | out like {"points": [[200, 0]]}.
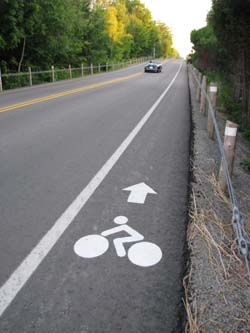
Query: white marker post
{"points": [[53, 73], [198, 92], [203, 96], [229, 148], [139, 192], [70, 72], [30, 76], [212, 97]]}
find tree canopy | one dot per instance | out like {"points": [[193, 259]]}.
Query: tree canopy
{"points": [[45, 32], [224, 46]]}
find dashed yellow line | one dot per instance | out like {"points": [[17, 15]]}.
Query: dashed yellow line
{"points": [[65, 93]]}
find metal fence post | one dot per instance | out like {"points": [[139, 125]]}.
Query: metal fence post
{"points": [[53, 73], [30, 76], [212, 97], [203, 96], [229, 148], [82, 70], [70, 72], [1, 83]]}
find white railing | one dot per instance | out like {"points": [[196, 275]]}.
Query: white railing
{"points": [[32, 77]]}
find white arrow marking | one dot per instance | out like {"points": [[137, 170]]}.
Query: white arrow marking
{"points": [[139, 192]]}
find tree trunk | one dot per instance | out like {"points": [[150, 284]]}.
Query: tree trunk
{"points": [[248, 88], [22, 55]]}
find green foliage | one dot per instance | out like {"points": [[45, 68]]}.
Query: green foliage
{"points": [[230, 19], [223, 46], [246, 164], [208, 55], [61, 32], [226, 102], [246, 134]]}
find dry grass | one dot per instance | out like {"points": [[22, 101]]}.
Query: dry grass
{"points": [[213, 227], [217, 288], [192, 311]]}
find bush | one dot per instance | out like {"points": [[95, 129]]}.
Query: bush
{"points": [[225, 100]]}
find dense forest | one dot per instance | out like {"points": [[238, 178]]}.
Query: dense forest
{"points": [[222, 51], [41, 33]]}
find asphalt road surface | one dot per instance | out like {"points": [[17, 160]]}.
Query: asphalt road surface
{"points": [[81, 248]]}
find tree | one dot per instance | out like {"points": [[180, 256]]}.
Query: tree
{"points": [[230, 19], [16, 24], [61, 32], [96, 40], [208, 52]]}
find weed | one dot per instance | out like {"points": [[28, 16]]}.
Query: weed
{"points": [[246, 164]]}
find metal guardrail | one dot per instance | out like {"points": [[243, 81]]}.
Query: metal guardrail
{"points": [[238, 221], [29, 78]]}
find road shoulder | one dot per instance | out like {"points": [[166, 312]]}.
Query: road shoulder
{"points": [[217, 284]]}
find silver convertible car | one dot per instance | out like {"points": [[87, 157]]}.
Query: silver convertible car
{"points": [[153, 67]]}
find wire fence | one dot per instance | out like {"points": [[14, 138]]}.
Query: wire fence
{"points": [[32, 77], [238, 220]]}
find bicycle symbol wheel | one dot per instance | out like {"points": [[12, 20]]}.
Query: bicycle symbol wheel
{"points": [[145, 254], [91, 246]]}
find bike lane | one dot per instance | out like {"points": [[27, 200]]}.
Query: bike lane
{"points": [[111, 293]]}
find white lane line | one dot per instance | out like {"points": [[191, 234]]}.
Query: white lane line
{"points": [[21, 275]]}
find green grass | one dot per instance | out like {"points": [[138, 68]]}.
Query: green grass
{"points": [[246, 164]]}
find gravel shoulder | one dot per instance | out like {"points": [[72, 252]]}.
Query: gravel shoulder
{"points": [[217, 284]]}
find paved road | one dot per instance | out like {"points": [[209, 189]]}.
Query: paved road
{"points": [[65, 162]]}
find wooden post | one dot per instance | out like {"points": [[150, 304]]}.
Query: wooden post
{"points": [[113, 67], [194, 73], [91, 69], [107, 67], [1, 83], [198, 92], [203, 96], [229, 149], [70, 72], [30, 76], [82, 70], [212, 97], [99, 68], [53, 73]]}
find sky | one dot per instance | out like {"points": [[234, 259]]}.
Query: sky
{"points": [[181, 16]]}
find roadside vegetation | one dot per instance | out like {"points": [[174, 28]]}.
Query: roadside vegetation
{"points": [[246, 164], [217, 283], [222, 52], [41, 33]]}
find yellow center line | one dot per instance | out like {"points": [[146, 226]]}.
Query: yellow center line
{"points": [[65, 93]]}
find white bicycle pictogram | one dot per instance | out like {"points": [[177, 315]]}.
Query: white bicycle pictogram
{"points": [[144, 254]]}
